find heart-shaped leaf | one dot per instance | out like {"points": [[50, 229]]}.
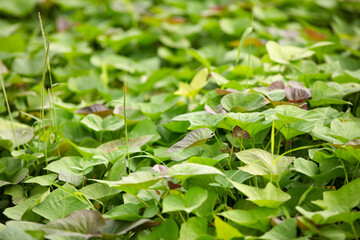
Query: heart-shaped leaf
{"points": [[261, 162], [86, 223], [285, 54], [192, 199], [134, 182], [197, 83], [186, 170], [97, 109], [256, 218], [270, 196], [243, 102], [194, 138]]}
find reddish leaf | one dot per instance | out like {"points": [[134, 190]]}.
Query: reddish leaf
{"points": [[314, 35], [176, 20], [296, 95], [222, 92], [97, 109], [210, 110], [238, 132], [173, 185], [62, 25], [276, 85], [160, 169]]}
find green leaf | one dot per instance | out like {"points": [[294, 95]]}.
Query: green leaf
{"points": [[175, 43], [193, 228], [270, 196], [261, 162], [256, 218], [96, 123], [197, 83], [13, 43], [331, 215], [125, 212], [15, 233], [59, 204], [194, 138], [145, 127], [345, 129], [207, 161], [17, 8], [348, 196], [234, 26], [99, 191], [166, 230], [199, 56], [285, 54], [134, 144], [310, 169], [253, 123], [243, 102], [86, 163], [283, 231], [206, 121], [12, 170], [23, 132], [185, 170], [17, 193], [118, 170], [114, 61], [225, 231], [86, 223], [18, 211], [134, 182], [44, 180], [68, 168], [192, 199], [219, 79]]}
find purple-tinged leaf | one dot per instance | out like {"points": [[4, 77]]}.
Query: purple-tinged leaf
{"points": [[162, 169], [296, 95], [276, 85], [238, 132], [86, 223], [97, 109], [194, 138], [225, 91]]}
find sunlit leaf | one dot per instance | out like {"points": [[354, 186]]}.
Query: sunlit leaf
{"points": [[243, 102], [197, 83], [270, 196], [256, 218], [285, 54], [185, 170]]}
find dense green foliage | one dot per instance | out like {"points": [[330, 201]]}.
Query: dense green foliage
{"points": [[173, 119]]}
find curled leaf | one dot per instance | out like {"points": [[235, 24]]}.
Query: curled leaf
{"points": [[276, 85], [296, 95], [194, 138], [97, 109], [238, 132], [225, 91], [160, 169]]}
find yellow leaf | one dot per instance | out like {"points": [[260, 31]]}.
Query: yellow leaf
{"points": [[197, 83]]}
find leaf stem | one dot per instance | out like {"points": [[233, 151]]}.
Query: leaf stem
{"points": [[182, 217], [207, 149], [147, 205], [354, 231], [126, 135], [9, 111]]}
